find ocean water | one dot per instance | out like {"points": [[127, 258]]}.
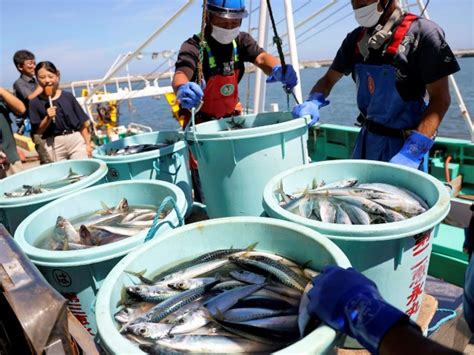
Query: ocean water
{"points": [[155, 112]]}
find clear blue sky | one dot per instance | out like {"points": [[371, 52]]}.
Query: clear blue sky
{"points": [[83, 38]]}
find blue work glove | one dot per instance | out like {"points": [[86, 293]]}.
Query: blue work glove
{"points": [[311, 107], [290, 80], [27, 125], [350, 302], [413, 151], [190, 95]]}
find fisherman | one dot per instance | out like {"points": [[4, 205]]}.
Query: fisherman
{"points": [[394, 58], [350, 303], [224, 51]]}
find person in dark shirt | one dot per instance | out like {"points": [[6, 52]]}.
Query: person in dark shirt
{"points": [[64, 125], [394, 59], [225, 50], [26, 89], [10, 162]]}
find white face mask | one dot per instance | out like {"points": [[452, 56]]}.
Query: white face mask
{"points": [[368, 16], [224, 35]]}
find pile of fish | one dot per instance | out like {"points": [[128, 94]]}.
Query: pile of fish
{"points": [[137, 148], [224, 301], [105, 226], [350, 202], [27, 190]]}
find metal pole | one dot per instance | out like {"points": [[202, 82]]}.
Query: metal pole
{"points": [[139, 49], [293, 48], [461, 104], [259, 88]]}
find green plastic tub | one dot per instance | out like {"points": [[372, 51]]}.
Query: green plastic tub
{"points": [[13, 210], [167, 164], [394, 255], [235, 165], [79, 274], [291, 240]]}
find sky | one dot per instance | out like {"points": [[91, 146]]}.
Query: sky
{"points": [[83, 38]]}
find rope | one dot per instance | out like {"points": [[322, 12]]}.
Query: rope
{"points": [[156, 225], [277, 41], [201, 43], [442, 321]]}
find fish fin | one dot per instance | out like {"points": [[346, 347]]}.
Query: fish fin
{"points": [[140, 276], [105, 209], [251, 247], [123, 297], [72, 173]]}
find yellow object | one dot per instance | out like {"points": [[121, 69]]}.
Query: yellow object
{"points": [[24, 142], [107, 113], [171, 99]]}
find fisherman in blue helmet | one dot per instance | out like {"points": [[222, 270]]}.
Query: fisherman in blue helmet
{"points": [[225, 50], [395, 58]]}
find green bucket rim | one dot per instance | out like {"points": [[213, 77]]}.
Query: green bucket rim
{"points": [[248, 133], [362, 233], [132, 158], [15, 202], [104, 319], [51, 258]]}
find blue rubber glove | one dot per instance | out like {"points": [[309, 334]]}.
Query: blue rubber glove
{"points": [[311, 107], [290, 80], [413, 151], [350, 302], [27, 125], [190, 95]]}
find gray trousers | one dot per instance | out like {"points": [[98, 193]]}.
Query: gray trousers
{"points": [[41, 149], [68, 146]]}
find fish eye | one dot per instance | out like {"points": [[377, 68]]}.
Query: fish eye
{"points": [[142, 331]]}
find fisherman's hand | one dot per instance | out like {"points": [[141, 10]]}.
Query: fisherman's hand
{"points": [[189, 95], [89, 150], [290, 79], [349, 302], [3, 158], [51, 112], [311, 107], [413, 151]]}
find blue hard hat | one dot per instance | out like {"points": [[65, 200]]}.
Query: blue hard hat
{"points": [[231, 9]]}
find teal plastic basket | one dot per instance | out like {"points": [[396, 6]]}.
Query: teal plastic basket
{"points": [[15, 209], [79, 274], [394, 255], [169, 164], [288, 239], [235, 165]]}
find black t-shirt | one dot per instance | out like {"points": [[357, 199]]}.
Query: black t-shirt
{"points": [[7, 142], [247, 49], [422, 58], [69, 114]]}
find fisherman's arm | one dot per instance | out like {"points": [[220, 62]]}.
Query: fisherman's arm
{"points": [[327, 82], [13, 103], [266, 62], [38, 90], [413, 342], [439, 102]]}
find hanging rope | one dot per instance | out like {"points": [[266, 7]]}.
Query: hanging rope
{"points": [[157, 222], [277, 41], [201, 43]]}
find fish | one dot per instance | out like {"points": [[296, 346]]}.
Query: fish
{"points": [[64, 229], [137, 148], [187, 284], [170, 305], [281, 272], [207, 344], [247, 277], [303, 314], [130, 312], [221, 303], [245, 314], [125, 231], [151, 293]]}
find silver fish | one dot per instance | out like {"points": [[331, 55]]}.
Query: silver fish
{"points": [[207, 344], [64, 229], [151, 293], [221, 303], [327, 211], [129, 313], [247, 277], [356, 214]]}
